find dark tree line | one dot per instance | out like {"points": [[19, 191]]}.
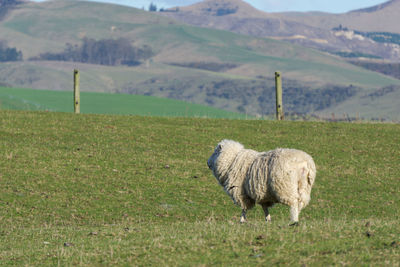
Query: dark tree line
{"points": [[247, 96], [9, 2], [381, 37], [9, 54], [211, 66], [5, 5], [152, 7], [111, 52], [391, 69], [297, 98], [382, 91], [355, 55]]}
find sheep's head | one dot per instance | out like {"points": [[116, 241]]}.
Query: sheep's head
{"points": [[222, 157], [213, 158]]}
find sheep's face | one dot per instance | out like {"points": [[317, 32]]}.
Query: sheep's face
{"points": [[213, 159]]}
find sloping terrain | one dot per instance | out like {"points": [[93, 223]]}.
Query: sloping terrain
{"points": [[310, 29], [238, 8], [371, 105], [206, 66], [380, 18]]}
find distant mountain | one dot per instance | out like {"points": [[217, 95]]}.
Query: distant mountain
{"points": [[197, 64], [333, 33], [380, 18], [389, 4], [223, 8]]}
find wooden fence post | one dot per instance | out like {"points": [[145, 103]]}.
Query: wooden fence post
{"points": [[77, 98], [278, 88]]}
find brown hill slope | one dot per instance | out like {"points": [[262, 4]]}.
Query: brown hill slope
{"points": [[380, 18], [311, 29], [384, 17], [238, 8]]}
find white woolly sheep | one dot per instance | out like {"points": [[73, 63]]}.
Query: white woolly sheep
{"points": [[278, 176]]}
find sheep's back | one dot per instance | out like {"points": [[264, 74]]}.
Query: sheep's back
{"points": [[239, 166], [274, 175], [257, 178]]}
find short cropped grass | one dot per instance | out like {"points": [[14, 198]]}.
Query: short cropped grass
{"points": [[101, 190], [106, 103]]}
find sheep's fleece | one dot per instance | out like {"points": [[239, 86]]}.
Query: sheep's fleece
{"points": [[278, 176]]}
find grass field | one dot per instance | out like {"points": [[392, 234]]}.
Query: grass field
{"points": [[101, 190], [103, 103]]}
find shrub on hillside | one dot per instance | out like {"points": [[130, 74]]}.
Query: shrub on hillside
{"points": [[9, 54], [110, 52]]}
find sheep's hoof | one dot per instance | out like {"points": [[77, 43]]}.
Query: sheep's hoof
{"points": [[294, 224]]}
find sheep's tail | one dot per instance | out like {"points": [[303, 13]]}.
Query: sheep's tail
{"points": [[308, 174]]}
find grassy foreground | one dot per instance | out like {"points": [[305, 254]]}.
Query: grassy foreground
{"points": [[97, 190]]}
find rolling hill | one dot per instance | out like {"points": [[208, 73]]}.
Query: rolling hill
{"points": [[380, 18], [205, 66], [309, 29]]}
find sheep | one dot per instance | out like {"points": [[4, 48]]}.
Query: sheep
{"points": [[249, 177]]}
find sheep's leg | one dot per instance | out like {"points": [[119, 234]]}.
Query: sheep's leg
{"points": [[266, 212], [301, 206], [243, 217], [294, 213]]}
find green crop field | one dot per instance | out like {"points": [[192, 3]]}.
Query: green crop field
{"points": [[102, 190], [104, 103]]}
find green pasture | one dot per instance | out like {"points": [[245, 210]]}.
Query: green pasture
{"points": [[101, 190], [104, 103]]}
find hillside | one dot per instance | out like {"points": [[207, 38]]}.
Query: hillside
{"points": [[204, 66], [99, 190], [371, 105], [237, 8], [309, 29], [380, 18]]}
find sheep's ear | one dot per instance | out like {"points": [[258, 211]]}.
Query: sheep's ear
{"points": [[219, 147]]}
